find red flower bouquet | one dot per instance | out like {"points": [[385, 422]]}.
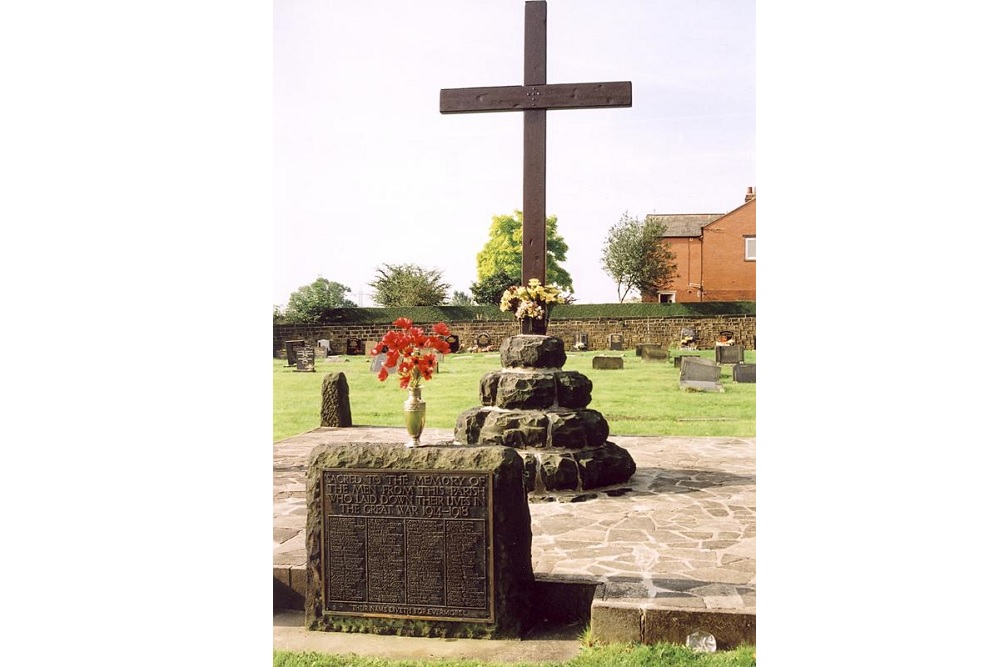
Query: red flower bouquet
{"points": [[412, 352]]}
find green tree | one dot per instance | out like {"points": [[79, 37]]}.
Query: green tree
{"points": [[635, 256], [399, 285], [502, 252], [489, 290], [459, 299], [310, 302]]}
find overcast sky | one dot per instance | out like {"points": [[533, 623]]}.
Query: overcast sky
{"points": [[368, 171]]}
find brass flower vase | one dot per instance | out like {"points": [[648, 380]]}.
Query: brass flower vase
{"points": [[414, 416]]}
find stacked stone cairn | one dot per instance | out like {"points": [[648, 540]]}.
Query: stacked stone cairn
{"points": [[534, 406]]}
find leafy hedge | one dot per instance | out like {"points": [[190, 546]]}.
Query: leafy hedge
{"points": [[559, 312]]}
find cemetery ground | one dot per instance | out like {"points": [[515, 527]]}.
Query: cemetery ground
{"points": [[643, 398]]}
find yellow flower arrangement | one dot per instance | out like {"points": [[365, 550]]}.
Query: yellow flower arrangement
{"points": [[531, 301]]}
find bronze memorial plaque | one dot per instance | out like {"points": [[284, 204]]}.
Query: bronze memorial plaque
{"points": [[408, 544]]}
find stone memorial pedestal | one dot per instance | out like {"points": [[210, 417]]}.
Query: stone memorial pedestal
{"points": [[534, 406], [430, 541]]}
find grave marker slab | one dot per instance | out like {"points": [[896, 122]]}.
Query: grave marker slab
{"points": [[655, 353], [700, 374], [728, 354], [454, 343], [290, 346], [608, 363], [355, 346], [616, 342], [305, 360], [431, 541], [483, 340], [745, 373]]}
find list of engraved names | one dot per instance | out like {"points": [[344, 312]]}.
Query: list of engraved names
{"points": [[413, 543]]}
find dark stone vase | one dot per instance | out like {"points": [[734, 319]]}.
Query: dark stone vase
{"points": [[530, 325]]}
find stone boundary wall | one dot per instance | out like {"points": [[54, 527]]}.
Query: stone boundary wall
{"points": [[665, 331]]}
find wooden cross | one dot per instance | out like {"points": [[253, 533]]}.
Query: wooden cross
{"points": [[533, 98]]}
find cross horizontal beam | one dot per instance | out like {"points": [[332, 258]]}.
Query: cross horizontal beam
{"points": [[542, 96]]}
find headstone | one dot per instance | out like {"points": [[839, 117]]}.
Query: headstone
{"points": [[483, 340], [335, 409], [745, 373], [680, 358], [725, 336], [290, 346], [608, 363], [325, 344], [430, 541], [700, 374], [582, 341], [355, 346], [642, 346], [728, 354], [378, 361], [305, 360], [616, 341], [655, 353], [453, 343]]}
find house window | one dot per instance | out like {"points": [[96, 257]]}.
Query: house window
{"points": [[668, 297], [750, 248]]}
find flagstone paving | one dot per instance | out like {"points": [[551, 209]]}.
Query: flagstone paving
{"points": [[679, 535]]}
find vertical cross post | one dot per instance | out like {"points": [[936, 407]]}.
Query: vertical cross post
{"points": [[533, 190]]}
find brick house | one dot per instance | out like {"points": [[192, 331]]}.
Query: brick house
{"points": [[715, 253]]}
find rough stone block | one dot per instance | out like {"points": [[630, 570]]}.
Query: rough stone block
{"points": [[576, 429], [488, 388], [558, 472], [514, 428], [532, 351], [604, 466], [573, 389], [335, 409], [468, 425], [525, 390]]}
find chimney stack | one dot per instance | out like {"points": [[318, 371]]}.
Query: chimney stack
{"points": [[750, 195]]}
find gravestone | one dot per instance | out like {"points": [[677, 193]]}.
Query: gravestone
{"points": [[725, 336], [680, 358], [378, 361], [429, 541], [608, 363], [655, 353], [290, 346], [355, 346], [616, 341], [483, 340], [335, 407], [454, 343], [642, 346], [745, 373], [305, 360], [728, 354], [700, 374], [582, 341], [325, 344]]}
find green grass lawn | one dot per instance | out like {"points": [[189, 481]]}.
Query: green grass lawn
{"points": [[644, 398], [615, 655]]}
